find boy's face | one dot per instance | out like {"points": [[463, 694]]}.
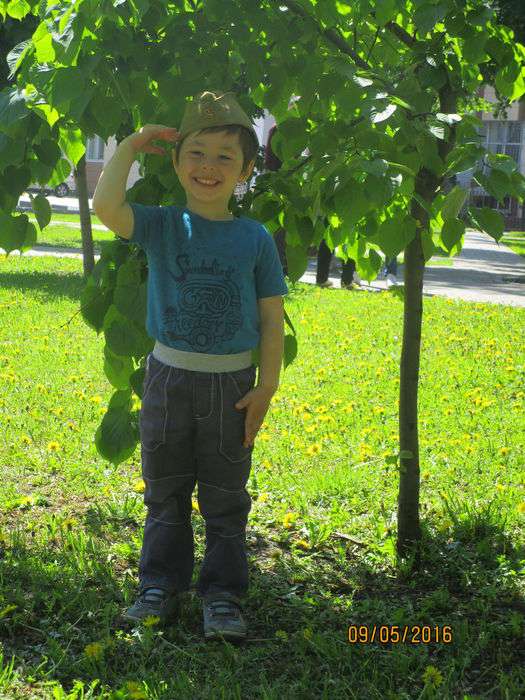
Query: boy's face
{"points": [[210, 156]]}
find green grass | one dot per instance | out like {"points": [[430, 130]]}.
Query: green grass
{"points": [[515, 240], [320, 534]]}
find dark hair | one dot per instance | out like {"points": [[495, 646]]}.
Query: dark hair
{"points": [[249, 146]]}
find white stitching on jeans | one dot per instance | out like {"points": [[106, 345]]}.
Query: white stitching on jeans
{"points": [[158, 520], [221, 535], [161, 478], [204, 483]]}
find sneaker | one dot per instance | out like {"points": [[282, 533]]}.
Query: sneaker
{"points": [[223, 617], [153, 601], [326, 283], [391, 281], [348, 285]]}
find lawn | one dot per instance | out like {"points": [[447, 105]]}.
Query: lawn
{"points": [[322, 525]]}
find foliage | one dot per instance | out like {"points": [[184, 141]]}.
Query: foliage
{"points": [[386, 89]]}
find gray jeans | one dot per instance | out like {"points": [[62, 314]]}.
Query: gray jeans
{"points": [[190, 432]]}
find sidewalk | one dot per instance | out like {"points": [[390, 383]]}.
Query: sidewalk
{"points": [[484, 271]]}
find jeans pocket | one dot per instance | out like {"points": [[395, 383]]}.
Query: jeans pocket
{"points": [[154, 369], [232, 430], [154, 410]]}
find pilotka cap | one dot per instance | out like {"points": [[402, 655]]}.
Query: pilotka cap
{"points": [[214, 108]]}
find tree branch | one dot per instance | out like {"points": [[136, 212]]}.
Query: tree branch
{"points": [[331, 34], [401, 33]]}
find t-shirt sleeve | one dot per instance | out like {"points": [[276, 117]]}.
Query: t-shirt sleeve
{"points": [[269, 273], [147, 222]]}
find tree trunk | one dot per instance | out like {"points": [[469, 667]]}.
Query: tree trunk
{"points": [[85, 217], [408, 527]]}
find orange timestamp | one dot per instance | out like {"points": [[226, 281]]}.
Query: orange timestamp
{"points": [[400, 634]]}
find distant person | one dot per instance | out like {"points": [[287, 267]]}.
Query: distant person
{"points": [[324, 255], [390, 271]]}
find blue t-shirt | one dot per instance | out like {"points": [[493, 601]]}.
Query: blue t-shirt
{"points": [[205, 277]]}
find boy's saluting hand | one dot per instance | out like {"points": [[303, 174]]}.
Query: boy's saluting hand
{"points": [[141, 139], [257, 402]]}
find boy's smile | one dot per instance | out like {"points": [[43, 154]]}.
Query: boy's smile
{"points": [[209, 168]]}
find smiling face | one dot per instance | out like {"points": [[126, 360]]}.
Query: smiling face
{"points": [[216, 157]]}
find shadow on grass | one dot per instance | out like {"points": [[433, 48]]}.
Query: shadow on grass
{"points": [[69, 592]]}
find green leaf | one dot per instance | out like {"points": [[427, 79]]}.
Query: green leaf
{"points": [[500, 161], [448, 118], [385, 11], [67, 85], [18, 9], [451, 233], [428, 15], [453, 202], [42, 210], [497, 183], [489, 221], [395, 233], [384, 114]]}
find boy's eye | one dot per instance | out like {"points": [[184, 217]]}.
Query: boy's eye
{"points": [[201, 152]]}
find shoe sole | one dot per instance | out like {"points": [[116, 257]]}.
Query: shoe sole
{"points": [[230, 636]]}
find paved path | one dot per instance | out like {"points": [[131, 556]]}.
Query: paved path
{"points": [[484, 271]]}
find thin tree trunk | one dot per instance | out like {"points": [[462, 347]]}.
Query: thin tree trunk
{"points": [[408, 528], [85, 217]]}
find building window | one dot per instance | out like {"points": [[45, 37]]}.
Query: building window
{"points": [[498, 137], [503, 137], [95, 148]]}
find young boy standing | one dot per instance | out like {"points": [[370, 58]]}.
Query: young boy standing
{"points": [[215, 286]]}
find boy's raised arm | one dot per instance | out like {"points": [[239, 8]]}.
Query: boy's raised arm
{"points": [[109, 200]]}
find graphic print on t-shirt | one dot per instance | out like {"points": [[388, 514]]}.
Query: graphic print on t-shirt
{"points": [[209, 304]]}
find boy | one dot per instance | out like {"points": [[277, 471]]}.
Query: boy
{"points": [[214, 292]]}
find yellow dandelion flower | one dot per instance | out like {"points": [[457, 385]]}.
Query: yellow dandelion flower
{"points": [[504, 451], [501, 487], [521, 507], [289, 518], [425, 475], [139, 486], [195, 504], [303, 544], [263, 497], [95, 650], [26, 440], [53, 446], [102, 411], [432, 676], [309, 429], [313, 449], [96, 399]]}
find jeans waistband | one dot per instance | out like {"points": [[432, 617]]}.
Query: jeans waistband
{"points": [[201, 362]]}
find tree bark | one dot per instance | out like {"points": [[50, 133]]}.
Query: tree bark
{"points": [[408, 526], [85, 217]]}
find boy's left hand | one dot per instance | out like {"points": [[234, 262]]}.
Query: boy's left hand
{"points": [[256, 402]]}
